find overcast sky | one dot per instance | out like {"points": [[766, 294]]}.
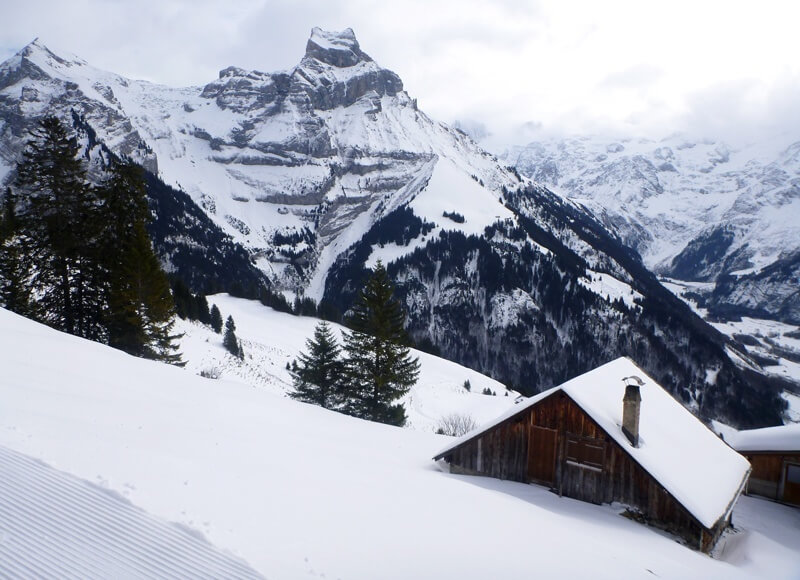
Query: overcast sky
{"points": [[710, 68]]}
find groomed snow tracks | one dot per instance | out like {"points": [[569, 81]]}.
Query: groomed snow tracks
{"points": [[55, 525]]}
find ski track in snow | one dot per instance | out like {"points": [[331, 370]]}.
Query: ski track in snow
{"points": [[55, 525]]}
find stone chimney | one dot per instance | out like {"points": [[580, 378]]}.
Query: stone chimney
{"points": [[631, 405]]}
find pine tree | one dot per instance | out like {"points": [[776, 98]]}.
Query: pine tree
{"points": [[378, 367], [216, 319], [141, 309], [203, 313], [229, 340], [59, 220], [317, 378], [14, 271]]}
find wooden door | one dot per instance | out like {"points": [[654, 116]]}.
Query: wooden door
{"points": [[791, 485], [542, 455]]}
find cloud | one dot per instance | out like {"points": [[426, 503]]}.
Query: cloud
{"points": [[574, 67], [638, 76], [744, 110]]}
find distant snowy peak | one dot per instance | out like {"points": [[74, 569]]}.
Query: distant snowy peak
{"points": [[37, 82], [339, 49], [37, 52], [333, 73], [694, 209]]}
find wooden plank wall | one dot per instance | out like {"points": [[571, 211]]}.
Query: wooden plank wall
{"points": [[769, 466], [768, 470], [500, 453]]}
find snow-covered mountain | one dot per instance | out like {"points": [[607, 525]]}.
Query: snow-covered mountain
{"points": [[294, 165], [696, 210], [317, 172]]}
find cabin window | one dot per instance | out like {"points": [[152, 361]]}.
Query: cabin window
{"points": [[793, 474], [586, 451]]}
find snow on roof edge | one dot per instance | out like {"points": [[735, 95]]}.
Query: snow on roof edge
{"points": [[781, 438], [467, 437]]}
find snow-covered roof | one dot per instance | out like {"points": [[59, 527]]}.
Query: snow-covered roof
{"points": [[688, 459], [782, 438]]}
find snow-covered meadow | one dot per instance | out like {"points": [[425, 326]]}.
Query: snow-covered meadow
{"points": [[272, 339], [298, 492]]}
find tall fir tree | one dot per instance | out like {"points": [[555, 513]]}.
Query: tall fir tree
{"points": [[216, 319], [59, 219], [229, 339], [14, 271], [379, 368], [318, 376], [141, 310], [84, 251]]}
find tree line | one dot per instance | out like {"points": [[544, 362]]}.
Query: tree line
{"points": [[76, 255], [372, 370]]}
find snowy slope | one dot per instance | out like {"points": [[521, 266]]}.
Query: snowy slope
{"points": [[271, 339], [55, 525], [299, 492]]}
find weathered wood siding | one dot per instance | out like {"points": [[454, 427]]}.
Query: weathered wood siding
{"points": [[501, 453], [587, 464], [769, 473]]}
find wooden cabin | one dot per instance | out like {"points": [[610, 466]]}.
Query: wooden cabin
{"points": [[774, 453], [613, 435]]}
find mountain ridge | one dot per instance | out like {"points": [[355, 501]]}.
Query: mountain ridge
{"points": [[696, 209], [321, 170]]}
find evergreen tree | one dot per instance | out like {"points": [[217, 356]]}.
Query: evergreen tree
{"points": [[60, 221], [378, 367], [203, 313], [216, 319], [14, 272], [317, 379], [84, 251], [140, 306], [229, 340]]}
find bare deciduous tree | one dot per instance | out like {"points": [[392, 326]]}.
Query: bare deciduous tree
{"points": [[456, 424]]}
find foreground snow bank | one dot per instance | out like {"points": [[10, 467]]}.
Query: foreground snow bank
{"points": [[299, 492], [55, 525]]}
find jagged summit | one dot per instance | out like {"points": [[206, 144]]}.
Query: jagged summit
{"points": [[334, 72], [339, 49]]}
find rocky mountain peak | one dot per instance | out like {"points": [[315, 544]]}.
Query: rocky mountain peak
{"points": [[36, 51], [339, 49]]}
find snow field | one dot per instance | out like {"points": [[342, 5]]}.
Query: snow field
{"points": [[271, 339], [55, 525], [299, 492]]}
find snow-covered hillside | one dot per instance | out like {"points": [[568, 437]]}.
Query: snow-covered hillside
{"points": [[774, 347], [272, 339], [300, 492]]}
